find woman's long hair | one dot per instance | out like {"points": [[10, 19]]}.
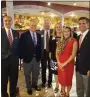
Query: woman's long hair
{"points": [[62, 42]]}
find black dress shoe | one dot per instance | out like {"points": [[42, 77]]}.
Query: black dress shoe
{"points": [[29, 92], [49, 85], [43, 85], [37, 88]]}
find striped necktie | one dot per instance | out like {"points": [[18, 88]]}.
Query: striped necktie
{"points": [[34, 39], [10, 37], [80, 40]]}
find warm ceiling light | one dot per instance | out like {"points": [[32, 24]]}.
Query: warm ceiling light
{"points": [[52, 15], [74, 3], [49, 3], [4, 14], [72, 15], [42, 13]]}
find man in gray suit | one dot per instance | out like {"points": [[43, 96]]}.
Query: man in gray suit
{"points": [[30, 52]]}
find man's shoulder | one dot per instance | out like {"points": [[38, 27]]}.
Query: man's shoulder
{"points": [[41, 32], [88, 34], [89, 31], [15, 32], [2, 29], [51, 30], [38, 34], [25, 32]]}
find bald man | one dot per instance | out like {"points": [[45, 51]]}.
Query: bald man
{"points": [[30, 44]]}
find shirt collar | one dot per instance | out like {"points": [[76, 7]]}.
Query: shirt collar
{"points": [[7, 29], [32, 32], [84, 33], [47, 31]]}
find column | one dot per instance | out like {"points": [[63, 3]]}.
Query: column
{"points": [[10, 12], [62, 20]]}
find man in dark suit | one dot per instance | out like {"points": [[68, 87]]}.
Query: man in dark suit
{"points": [[30, 44], [83, 59], [45, 61], [75, 32], [9, 58]]}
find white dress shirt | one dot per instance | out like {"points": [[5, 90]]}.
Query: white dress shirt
{"points": [[32, 36], [84, 34], [45, 32], [10, 32]]}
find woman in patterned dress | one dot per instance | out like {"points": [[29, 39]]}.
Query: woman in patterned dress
{"points": [[53, 43]]}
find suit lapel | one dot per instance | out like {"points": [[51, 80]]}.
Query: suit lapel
{"points": [[5, 37], [37, 37], [13, 34], [42, 32], [29, 36]]}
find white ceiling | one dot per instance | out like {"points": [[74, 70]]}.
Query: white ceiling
{"points": [[37, 11], [80, 4]]}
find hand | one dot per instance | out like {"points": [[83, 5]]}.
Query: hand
{"points": [[63, 65], [59, 65], [88, 73]]}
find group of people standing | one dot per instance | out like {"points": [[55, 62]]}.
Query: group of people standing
{"points": [[47, 47]]}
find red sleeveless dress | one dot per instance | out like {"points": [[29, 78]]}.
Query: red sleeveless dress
{"points": [[65, 76]]}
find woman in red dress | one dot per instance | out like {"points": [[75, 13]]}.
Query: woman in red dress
{"points": [[65, 54]]}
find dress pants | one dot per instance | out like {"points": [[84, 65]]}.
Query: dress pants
{"points": [[31, 68], [9, 71], [88, 90], [82, 83], [45, 59]]}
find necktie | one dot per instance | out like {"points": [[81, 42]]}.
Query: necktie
{"points": [[47, 42], [80, 40], [10, 37], [34, 40]]}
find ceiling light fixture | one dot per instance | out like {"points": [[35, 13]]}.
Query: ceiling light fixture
{"points": [[72, 15], [52, 15], [43, 13], [49, 3], [74, 3]]}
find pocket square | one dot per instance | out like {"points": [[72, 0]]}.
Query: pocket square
{"points": [[53, 38], [42, 35], [16, 37]]}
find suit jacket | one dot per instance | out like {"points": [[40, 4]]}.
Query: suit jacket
{"points": [[27, 47], [42, 39], [6, 50], [83, 55], [75, 35]]}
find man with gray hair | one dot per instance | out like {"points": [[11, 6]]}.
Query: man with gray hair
{"points": [[9, 58], [45, 61], [30, 44]]}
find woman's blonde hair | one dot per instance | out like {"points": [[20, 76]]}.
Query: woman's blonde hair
{"points": [[54, 30], [62, 42]]}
